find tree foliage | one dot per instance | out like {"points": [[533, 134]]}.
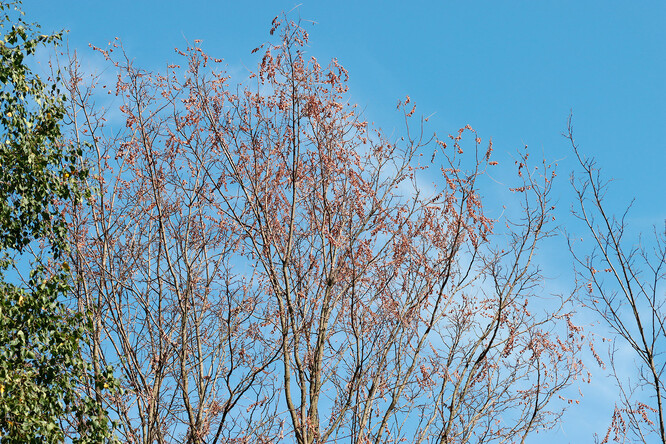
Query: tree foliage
{"points": [[42, 372], [264, 265]]}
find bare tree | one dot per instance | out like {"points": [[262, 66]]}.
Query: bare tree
{"points": [[176, 316], [265, 265], [623, 281]]}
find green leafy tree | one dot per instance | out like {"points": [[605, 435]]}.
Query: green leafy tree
{"points": [[48, 392]]}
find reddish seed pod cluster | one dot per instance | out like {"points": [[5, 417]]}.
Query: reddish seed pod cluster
{"points": [[265, 264]]}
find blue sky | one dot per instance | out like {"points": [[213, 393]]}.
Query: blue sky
{"points": [[511, 69]]}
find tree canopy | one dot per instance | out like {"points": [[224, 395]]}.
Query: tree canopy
{"points": [[47, 390]]}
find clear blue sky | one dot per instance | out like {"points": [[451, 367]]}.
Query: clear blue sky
{"points": [[511, 69]]}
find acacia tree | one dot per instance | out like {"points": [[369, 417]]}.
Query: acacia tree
{"points": [[623, 282], [48, 392], [265, 265]]}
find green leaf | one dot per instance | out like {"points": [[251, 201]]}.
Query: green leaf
{"points": [[45, 382]]}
